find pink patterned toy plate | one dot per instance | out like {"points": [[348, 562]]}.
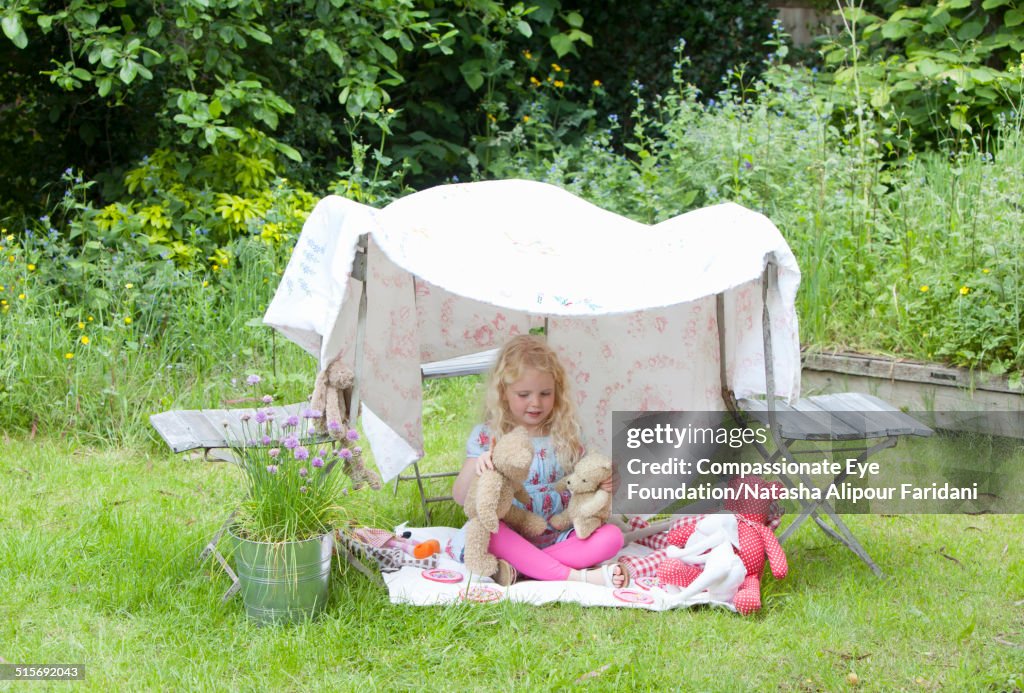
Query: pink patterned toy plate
{"points": [[647, 582], [632, 596], [481, 593], [443, 575]]}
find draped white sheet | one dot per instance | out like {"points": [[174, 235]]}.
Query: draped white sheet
{"points": [[458, 269]]}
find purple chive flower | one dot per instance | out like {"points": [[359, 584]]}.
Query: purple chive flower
{"points": [[303, 472], [267, 399], [266, 440], [301, 453], [318, 462], [312, 414], [357, 450], [272, 468], [246, 416], [345, 454], [274, 452], [352, 434], [303, 489], [261, 417], [292, 421], [291, 442], [253, 379], [334, 426]]}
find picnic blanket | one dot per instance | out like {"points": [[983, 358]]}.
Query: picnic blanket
{"points": [[421, 586]]}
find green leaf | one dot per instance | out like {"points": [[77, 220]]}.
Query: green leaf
{"points": [[12, 28], [574, 19], [970, 30], [103, 85], [992, 4], [290, 152], [958, 4], [82, 74], [524, 28], [1013, 17], [561, 44], [216, 108], [386, 51], [128, 71], [471, 73]]}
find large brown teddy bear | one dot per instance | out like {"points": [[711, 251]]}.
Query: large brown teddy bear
{"points": [[332, 397], [489, 500], [590, 506], [757, 541]]}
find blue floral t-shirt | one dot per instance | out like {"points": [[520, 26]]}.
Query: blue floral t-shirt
{"points": [[540, 487]]}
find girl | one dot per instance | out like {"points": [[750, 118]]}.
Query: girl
{"points": [[528, 388]]}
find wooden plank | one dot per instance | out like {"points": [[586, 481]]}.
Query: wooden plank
{"points": [[469, 364], [879, 414], [793, 424], [899, 369]]}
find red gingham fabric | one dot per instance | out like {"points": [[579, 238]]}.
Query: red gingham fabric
{"points": [[641, 566]]}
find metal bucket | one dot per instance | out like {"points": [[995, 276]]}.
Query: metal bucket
{"points": [[284, 582]]}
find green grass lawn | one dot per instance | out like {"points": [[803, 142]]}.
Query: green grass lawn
{"points": [[97, 568]]}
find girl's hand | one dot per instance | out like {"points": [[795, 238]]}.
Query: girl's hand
{"points": [[484, 463]]}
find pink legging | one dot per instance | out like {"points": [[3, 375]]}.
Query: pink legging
{"points": [[555, 561]]}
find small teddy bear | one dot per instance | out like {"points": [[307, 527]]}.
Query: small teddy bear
{"points": [[590, 506], [332, 397], [489, 500]]}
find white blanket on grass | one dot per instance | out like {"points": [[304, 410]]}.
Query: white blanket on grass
{"points": [[408, 586]]}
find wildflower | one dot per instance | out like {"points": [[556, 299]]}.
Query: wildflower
{"points": [[10, 258], [267, 399], [21, 297], [391, 110], [274, 452], [559, 83], [984, 271], [205, 283], [266, 440], [303, 489], [69, 355], [272, 468], [303, 472], [301, 454], [81, 325], [357, 450], [261, 417], [127, 320], [129, 285], [964, 290], [528, 55], [292, 421], [345, 454], [526, 119], [31, 267], [312, 414], [597, 83], [89, 318], [924, 288], [245, 417], [556, 67], [84, 339], [291, 442], [352, 434], [1, 287], [334, 426], [253, 379], [534, 81], [318, 462]]}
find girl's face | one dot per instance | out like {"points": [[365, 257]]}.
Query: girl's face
{"points": [[531, 399]]}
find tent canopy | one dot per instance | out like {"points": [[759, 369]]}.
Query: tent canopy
{"points": [[458, 269]]}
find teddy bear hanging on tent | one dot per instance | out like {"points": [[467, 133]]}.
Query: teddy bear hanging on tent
{"points": [[332, 396]]}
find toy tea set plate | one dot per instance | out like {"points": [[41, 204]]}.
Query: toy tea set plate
{"points": [[481, 593], [443, 575], [631, 596]]}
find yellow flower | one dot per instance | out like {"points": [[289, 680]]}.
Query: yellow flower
{"points": [[555, 67], [526, 119], [924, 287], [964, 290], [391, 110], [31, 267], [559, 83], [81, 325], [527, 54], [127, 320], [597, 82], [984, 271], [205, 283], [10, 258], [69, 355], [215, 266], [84, 339], [534, 81], [1, 287], [21, 297], [129, 285], [3, 303], [89, 318]]}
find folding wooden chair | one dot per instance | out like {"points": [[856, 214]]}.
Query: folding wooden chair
{"points": [[859, 424]]}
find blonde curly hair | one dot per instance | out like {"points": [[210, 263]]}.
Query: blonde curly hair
{"points": [[519, 354]]}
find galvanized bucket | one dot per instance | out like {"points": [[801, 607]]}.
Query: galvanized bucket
{"points": [[284, 582]]}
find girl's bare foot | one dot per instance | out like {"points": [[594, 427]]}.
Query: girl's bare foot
{"points": [[611, 575]]}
